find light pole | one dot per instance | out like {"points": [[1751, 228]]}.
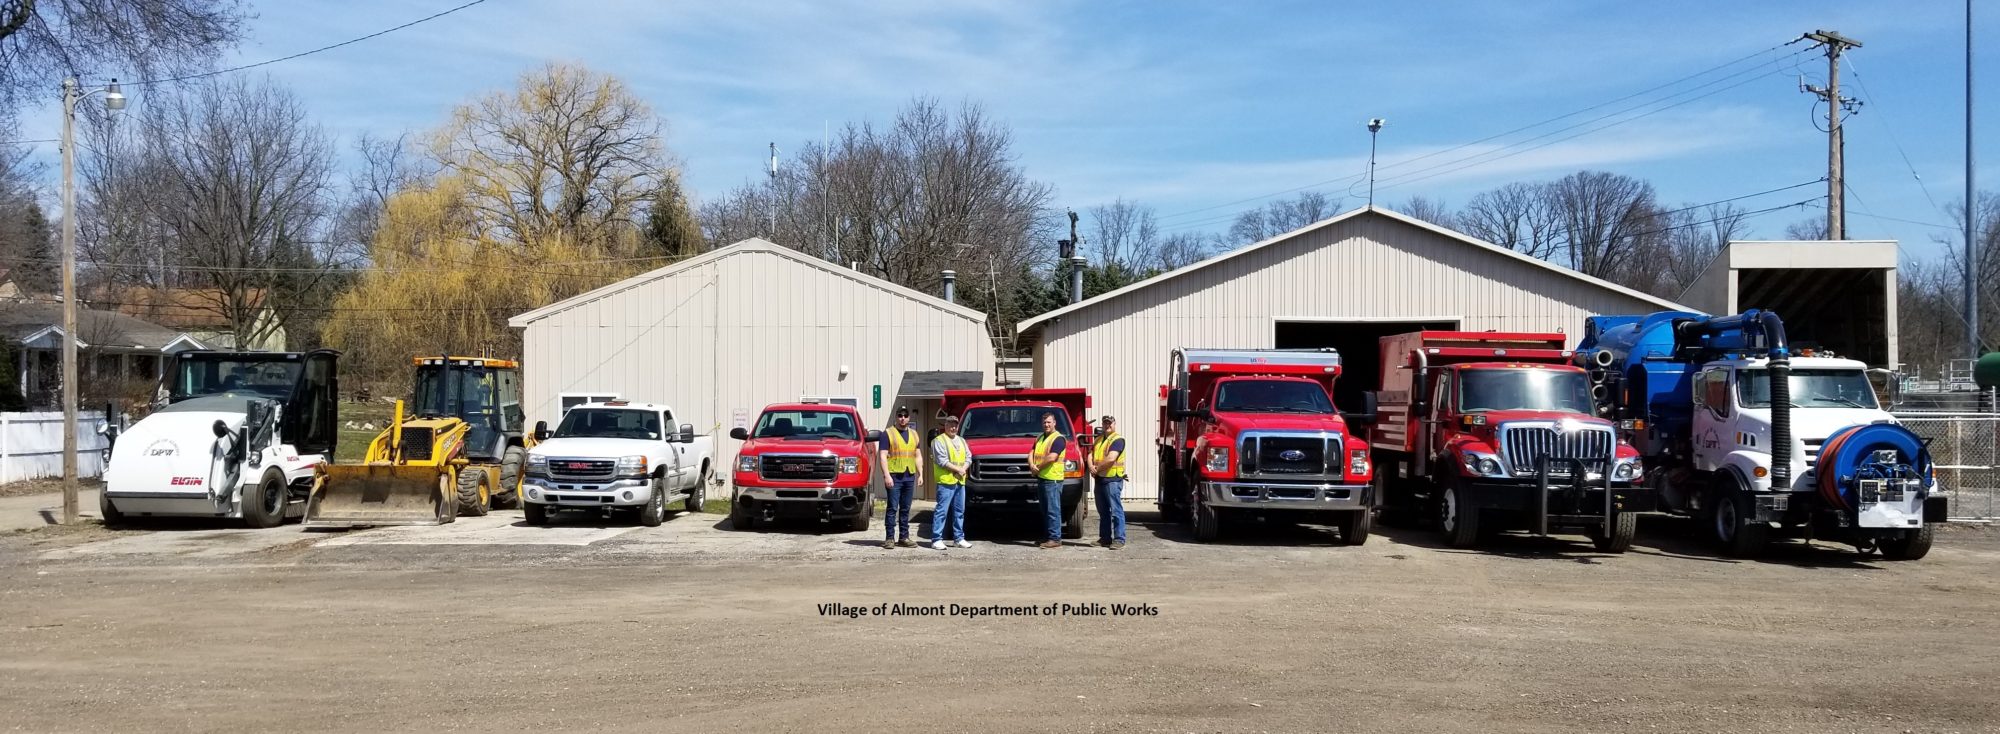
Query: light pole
{"points": [[1374, 126], [115, 100]]}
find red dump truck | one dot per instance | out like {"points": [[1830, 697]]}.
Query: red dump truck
{"points": [[1485, 431], [1250, 431], [1000, 428]]}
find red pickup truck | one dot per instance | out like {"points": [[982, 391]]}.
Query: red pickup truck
{"points": [[805, 460], [1000, 427]]}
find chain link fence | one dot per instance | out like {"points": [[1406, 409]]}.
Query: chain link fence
{"points": [[1966, 451]]}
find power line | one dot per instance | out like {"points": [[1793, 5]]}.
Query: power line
{"points": [[1891, 129], [386, 31], [27, 142]]}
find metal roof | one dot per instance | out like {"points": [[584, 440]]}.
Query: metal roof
{"points": [[933, 383]]}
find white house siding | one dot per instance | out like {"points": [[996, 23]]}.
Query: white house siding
{"points": [[739, 329], [1367, 267]]}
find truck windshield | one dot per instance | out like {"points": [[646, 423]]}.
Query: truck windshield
{"points": [[261, 378], [1272, 396], [806, 425], [610, 423], [459, 392], [1001, 421], [1523, 389], [1824, 388]]}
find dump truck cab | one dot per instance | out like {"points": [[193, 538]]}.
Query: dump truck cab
{"points": [[1000, 428]]}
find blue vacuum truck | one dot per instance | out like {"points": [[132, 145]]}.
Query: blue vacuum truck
{"points": [[1751, 439]]}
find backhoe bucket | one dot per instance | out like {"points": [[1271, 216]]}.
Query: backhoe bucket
{"points": [[383, 494]]}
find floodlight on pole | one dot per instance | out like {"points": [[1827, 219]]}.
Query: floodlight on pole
{"points": [[1374, 127]]}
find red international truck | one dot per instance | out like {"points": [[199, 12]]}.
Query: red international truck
{"points": [[1255, 431], [1000, 427], [1482, 431]]}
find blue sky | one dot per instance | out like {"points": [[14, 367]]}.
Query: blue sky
{"points": [[1193, 107]]}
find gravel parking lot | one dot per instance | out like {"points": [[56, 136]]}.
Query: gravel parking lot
{"points": [[490, 624]]}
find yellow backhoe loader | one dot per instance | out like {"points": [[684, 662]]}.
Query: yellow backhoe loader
{"points": [[460, 454]]}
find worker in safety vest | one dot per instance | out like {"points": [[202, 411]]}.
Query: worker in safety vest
{"points": [[1106, 462], [951, 459], [901, 460], [1046, 460]]}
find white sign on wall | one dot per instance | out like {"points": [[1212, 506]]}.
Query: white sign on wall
{"points": [[739, 418]]}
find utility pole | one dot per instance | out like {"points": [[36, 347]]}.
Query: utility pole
{"points": [[1971, 207], [70, 97], [1836, 194], [772, 231]]}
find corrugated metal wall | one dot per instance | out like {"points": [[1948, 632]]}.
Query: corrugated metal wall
{"points": [[739, 332], [1365, 268]]}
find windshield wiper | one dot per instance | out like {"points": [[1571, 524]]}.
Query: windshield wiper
{"points": [[1849, 402]]}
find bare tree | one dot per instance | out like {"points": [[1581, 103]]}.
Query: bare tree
{"points": [[1282, 216], [42, 41], [1602, 216], [1677, 246], [1807, 229], [1182, 249], [1428, 210], [1516, 216], [1123, 236], [25, 245]]}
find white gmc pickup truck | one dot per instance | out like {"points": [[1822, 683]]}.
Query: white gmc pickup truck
{"points": [[619, 456]]}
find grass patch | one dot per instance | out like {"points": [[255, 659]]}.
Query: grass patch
{"points": [[353, 442], [715, 507]]}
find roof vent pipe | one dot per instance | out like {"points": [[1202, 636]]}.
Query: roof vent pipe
{"points": [[1076, 279], [950, 286]]}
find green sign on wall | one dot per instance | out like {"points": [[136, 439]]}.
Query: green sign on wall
{"points": [[878, 397]]}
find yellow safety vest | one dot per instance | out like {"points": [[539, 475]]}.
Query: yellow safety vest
{"points": [[1053, 469], [902, 451], [1117, 470], [955, 449]]}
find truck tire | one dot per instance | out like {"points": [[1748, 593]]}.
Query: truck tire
{"points": [[535, 513], [1616, 537], [1909, 546], [1175, 491], [1207, 523], [1355, 527], [1459, 523], [508, 495], [742, 516], [1735, 531], [473, 494], [108, 512], [655, 511], [264, 502], [861, 519], [1072, 526], [698, 494]]}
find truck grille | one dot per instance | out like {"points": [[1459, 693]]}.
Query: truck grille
{"points": [[798, 467], [1524, 445], [1000, 468], [1290, 456], [582, 470], [1812, 451], [417, 444]]}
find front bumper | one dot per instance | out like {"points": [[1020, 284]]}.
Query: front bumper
{"points": [[1564, 499], [631, 492], [173, 504], [1281, 496], [1019, 495], [804, 501]]}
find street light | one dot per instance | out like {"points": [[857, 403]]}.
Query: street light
{"points": [[1374, 127], [114, 99]]}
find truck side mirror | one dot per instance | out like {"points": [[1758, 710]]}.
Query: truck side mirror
{"points": [[687, 433], [1177, 403], [874, 436], [542, 431], [1366, 416], [739, 433]]}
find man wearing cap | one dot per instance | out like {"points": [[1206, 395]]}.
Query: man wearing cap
{"points": [[951, 458], [1046, 461], [901, 461], [1106, 462]]}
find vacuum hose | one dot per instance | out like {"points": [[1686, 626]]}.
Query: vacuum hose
{"points": [[1850, 450]]}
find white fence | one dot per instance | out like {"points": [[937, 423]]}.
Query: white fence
{"points": [[1966, 451], [31, 445]]}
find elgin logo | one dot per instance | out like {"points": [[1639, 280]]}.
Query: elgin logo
{"points": [[185, 482]]}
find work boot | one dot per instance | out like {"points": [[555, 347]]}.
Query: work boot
{"points": [[1118, 545], [907, 543], [888, 544], [1047, 544]]}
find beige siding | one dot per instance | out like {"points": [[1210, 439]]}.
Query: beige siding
{"points": [[741, 331], [1364, 268]]}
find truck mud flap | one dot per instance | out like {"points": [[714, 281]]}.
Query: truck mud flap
{"points": [[380, 494]]}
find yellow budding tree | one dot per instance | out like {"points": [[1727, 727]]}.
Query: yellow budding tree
{"points": [[539, 194]]}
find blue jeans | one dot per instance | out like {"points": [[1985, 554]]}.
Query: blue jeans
{"points": [[902, 491], [1052, 506], [950, 503], [1111, 509]]}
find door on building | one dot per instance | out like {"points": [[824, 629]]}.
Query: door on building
{"points": [[1360, 346]]}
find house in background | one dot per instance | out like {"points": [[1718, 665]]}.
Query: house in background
{"points": [[201, 313], [111, 346]]}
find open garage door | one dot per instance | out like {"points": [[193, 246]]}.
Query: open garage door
{"points": [[1360, 345]]}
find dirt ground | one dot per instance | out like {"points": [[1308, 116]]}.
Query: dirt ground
{"points": [[488, 624]]}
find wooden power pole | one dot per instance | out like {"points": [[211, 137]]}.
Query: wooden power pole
{"points": [[1836, 192]]}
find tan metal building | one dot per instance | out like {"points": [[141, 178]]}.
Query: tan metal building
{"points": [[1343, 282], [721, 335], [1833, 294]]}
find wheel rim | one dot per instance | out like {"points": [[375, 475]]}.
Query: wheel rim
{"points": [[1448, 516], [274, 498], [1725, 520]]}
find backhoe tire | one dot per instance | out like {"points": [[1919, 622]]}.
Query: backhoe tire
{"points": [[264, 502], [1458, 522], [1356, 526], [698, 494], [1616, 537], [508, 494], [472, 491], [535, 513], [1207, 523], [1734, 526], [1910, 546], [655, 511]]}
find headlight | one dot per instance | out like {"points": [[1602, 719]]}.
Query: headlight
{"points": [[1069, 466], [538, 465], [746, 463], [1218, 460], [850, 465], [1481, 465], [632, 465], [1628, 469], [1357, 461]]}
